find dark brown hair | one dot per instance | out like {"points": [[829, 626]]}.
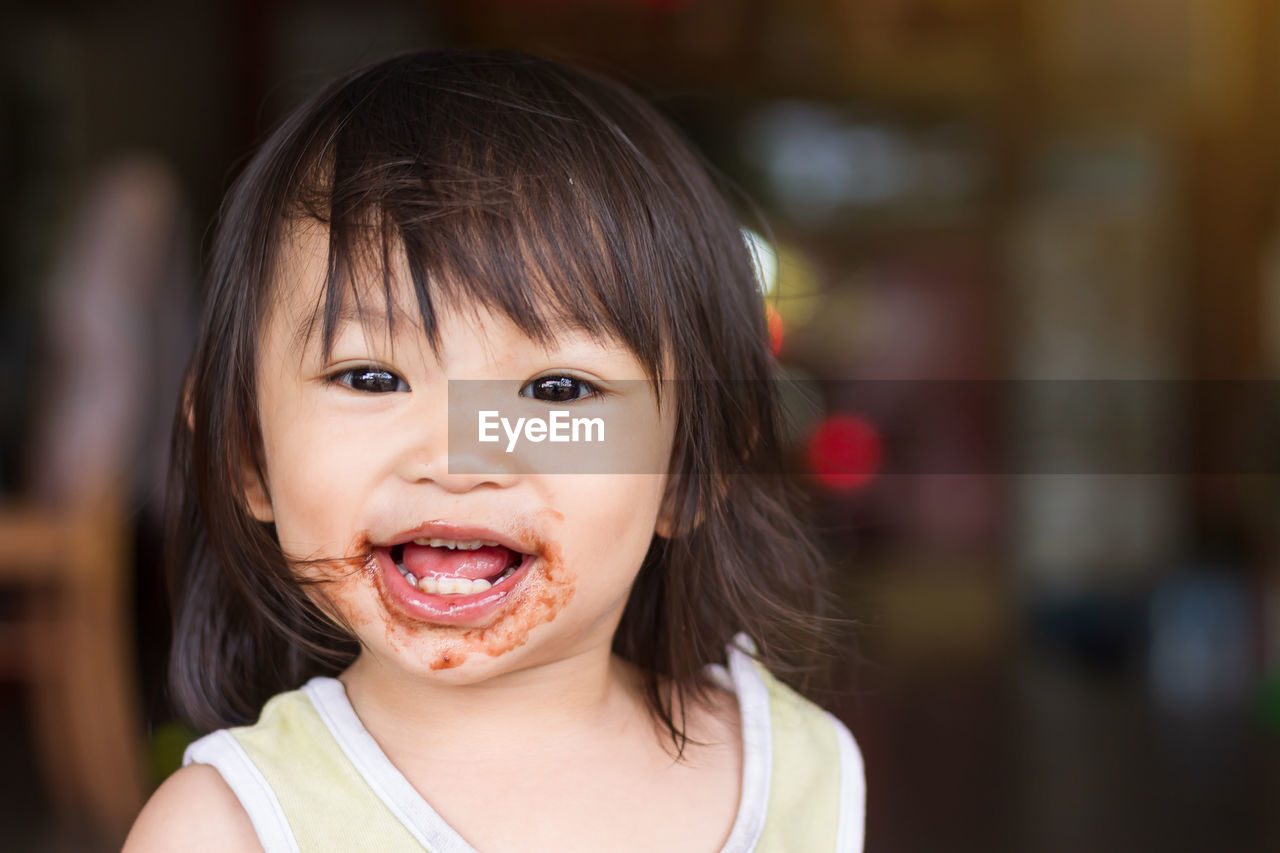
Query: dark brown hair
{"points": [[551, 195]]}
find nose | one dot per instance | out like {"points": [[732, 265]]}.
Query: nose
{"points": [[442, 450], [457, 473]]}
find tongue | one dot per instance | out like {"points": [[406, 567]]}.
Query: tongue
{"points": [[425, 561]]}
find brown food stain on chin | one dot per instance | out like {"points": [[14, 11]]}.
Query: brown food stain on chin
{"points": [[542, 594]]}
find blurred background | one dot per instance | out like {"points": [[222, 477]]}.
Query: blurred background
{"points": [[1022, 255]]}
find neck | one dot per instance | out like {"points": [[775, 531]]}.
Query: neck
{"points": [[559, 700]]}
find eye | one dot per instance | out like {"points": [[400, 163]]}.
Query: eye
{"points": [[370, 380], [560, 389]]}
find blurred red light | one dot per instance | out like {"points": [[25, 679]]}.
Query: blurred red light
{"points": [[774, 320], [845, 452]]}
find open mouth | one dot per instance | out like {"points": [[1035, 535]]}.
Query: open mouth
{"points": [[449, 567]]}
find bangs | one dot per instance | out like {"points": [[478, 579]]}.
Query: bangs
{"points": [[494, 194]]}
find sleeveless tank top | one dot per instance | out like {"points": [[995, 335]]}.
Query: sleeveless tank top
{"points": [[313, 780]]}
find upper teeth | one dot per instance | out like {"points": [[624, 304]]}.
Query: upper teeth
{"points": [[469, 545]]}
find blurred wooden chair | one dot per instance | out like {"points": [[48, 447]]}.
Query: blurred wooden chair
{"points": [[66, 538]]}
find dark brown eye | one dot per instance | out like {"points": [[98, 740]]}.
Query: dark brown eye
{"points": [[370, 380], [559, 389]]}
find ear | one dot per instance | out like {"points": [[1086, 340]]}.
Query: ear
{"points": [[257, 496]]}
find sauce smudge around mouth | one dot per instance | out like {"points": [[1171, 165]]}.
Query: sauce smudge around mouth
{"points": [[344, 583], [541, 596]]}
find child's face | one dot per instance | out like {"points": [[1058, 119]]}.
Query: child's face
{"points": [[355, 457]]}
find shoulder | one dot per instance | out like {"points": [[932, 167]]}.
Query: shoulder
{"points": [[814, 783], [195, 811], [800, 724], [817, 783], [766, 696]]}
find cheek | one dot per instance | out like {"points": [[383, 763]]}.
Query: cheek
{"points": [[619, 521], [316, 505], [609, 529], [337, 585]]}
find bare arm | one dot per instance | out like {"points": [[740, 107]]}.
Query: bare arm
{"points": [[193, 811]]}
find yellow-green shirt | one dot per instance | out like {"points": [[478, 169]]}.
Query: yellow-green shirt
{"points": [[311, 778]]}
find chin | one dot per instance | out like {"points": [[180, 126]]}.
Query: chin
{"points": [[450, 654]]}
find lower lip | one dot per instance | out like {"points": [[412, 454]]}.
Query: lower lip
{"points": [[445, 609]]}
